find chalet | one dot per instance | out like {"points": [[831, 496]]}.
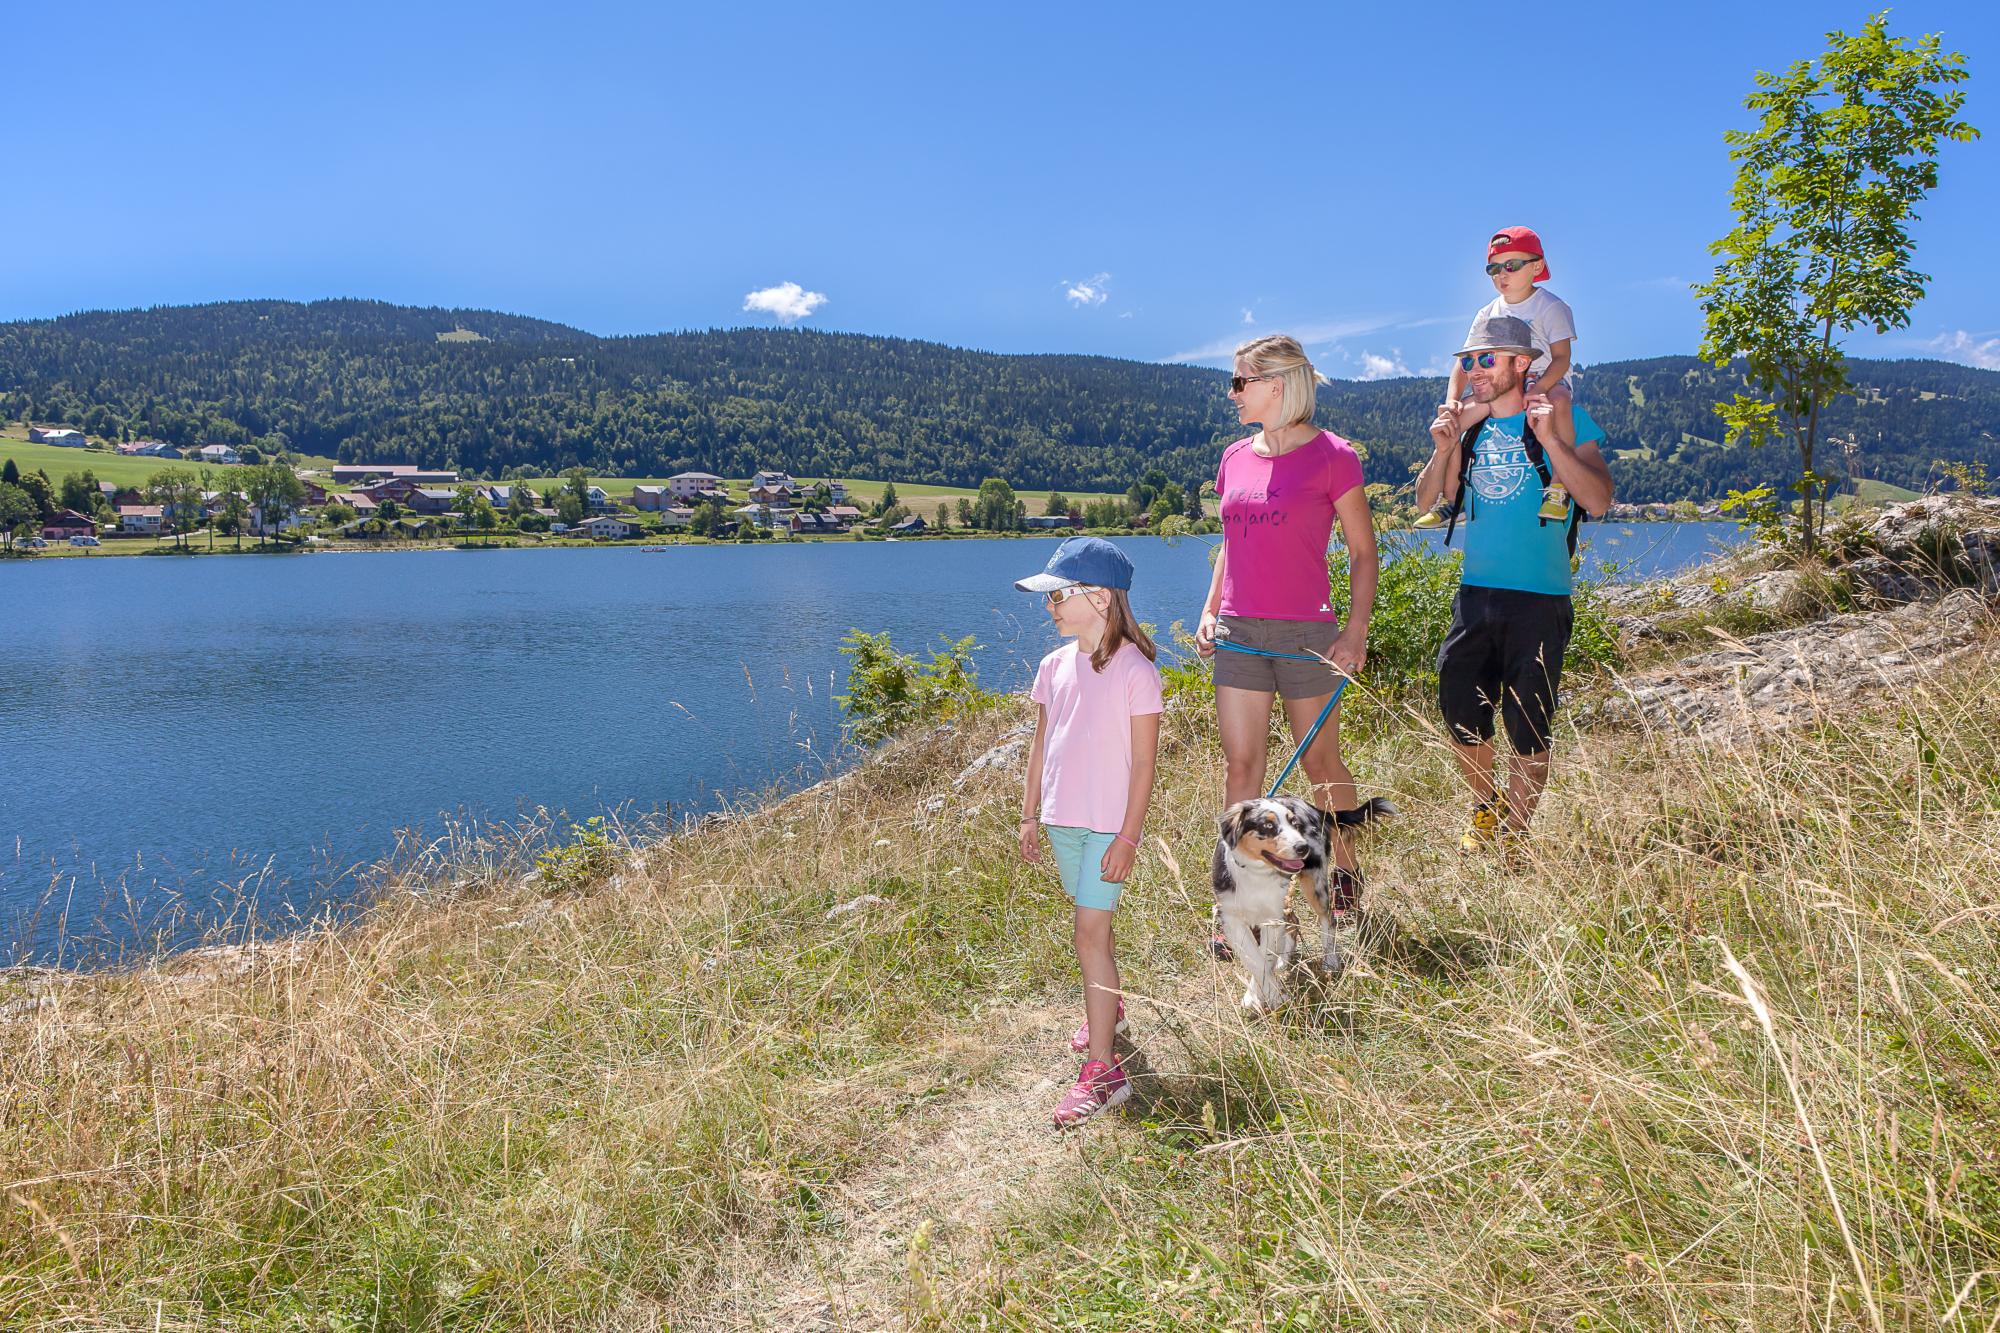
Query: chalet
{"points": [[649, 499], [765, 516], [689, 485], [676, 516], [600, 503], [809, 525], [141, 520], [217, 453], [68, 523], [150, 449], [395, 488], [838, 490], [914, 523], [607, 527], [711, 497], [362, 505], [60, 436], [346, 474], [772, 477], [779, 495], [315, 493], [430, 500], [501, 496], [845, 513]]}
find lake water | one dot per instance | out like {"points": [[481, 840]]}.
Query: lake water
{"points": [[179, 735]]}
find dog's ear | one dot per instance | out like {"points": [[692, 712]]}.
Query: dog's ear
{"points": [[1310, 817], [1232, 821]]}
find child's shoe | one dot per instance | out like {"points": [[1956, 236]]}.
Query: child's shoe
{"points": [[1439, 515], [1343, 892], [1098, 1086], [1555, 502], [1081, 1041]]}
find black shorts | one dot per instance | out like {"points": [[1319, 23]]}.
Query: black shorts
{"points": [[1504, 647]]}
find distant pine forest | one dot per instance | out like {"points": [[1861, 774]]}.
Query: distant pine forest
{"points": [[501, 396]]}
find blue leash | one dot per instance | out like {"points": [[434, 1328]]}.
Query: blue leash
{"points": [[1312, 732]]}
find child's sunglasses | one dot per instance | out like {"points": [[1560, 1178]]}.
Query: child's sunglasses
{"points": [[1511, 265], [1237, 383], [1486, 360], [1057, 596]]}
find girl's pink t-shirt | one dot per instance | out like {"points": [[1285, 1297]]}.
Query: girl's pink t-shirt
{"points": [[1087, 747], [1277, 516]]}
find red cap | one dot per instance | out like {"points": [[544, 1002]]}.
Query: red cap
{"points": [[1519, 238]]}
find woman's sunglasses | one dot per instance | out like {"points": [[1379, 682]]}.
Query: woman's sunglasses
{"points": [[1237, 383], [1511, 265], [1057, 596], [1486, 360]]}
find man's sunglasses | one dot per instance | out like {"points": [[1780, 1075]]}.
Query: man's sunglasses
{"points": [[1511, 265], [1485, 360], [1057, 596], [1237, 383]]}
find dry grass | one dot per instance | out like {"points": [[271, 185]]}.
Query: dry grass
{"points": [[1720, 1054]]}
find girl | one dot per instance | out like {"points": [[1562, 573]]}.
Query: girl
{"points": [[1279, 492], [1090, 778]]}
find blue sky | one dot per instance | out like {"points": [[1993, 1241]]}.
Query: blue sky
{"points": [[1149, 181]]}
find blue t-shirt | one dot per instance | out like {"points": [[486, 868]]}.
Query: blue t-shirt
{"points": [[1506, 544]]}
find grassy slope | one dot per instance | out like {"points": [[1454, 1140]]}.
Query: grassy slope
{"points": [[109, 467], [1540, 1100]]}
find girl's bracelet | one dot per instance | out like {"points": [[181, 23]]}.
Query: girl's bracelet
{"points": [[1030, 819], [1133, 843]]}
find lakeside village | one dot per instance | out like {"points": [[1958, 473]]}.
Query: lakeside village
{"points": [[364, 505]]}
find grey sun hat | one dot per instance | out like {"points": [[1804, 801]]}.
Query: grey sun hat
{"points": [[1501, 333]]}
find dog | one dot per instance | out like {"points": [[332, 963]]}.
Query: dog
{"points": [[1264, 844]]}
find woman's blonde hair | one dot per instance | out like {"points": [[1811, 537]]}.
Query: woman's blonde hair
{"points": [[1280, 354], [1120, 628]]}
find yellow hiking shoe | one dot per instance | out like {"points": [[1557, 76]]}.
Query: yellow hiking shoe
{"points": [[1484, 830], [1436, 516]]}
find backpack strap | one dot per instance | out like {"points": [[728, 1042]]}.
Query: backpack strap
{"points": [[1540, 458], [1465, 451]]}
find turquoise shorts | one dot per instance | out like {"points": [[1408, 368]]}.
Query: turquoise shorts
{"points": [[1079, 852]]}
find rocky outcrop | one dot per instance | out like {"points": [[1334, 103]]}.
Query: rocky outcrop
{"points": [[1912, 551]]}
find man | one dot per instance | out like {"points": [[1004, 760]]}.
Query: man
{"points": [[1511, 619]]}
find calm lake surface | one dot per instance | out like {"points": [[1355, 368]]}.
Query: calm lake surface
{"points": [[180, 735]]}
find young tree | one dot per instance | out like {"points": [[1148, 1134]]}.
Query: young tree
{"points": [[10, 472], [943, 515], [519, 504], [576, 484], [964, 512], [17, 508], [234, 516], [276, 492], [1057, 505], [177, 490], [996, 509], [1826, 187], [475, 511]]}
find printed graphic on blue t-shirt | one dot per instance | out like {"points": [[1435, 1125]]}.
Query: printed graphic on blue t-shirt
{"points": [[1506, 543]]}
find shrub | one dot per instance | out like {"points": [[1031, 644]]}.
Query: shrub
{"points": [[579, 863], [888, 691]]}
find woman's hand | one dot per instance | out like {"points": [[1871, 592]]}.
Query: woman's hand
{"points": [[1204, 634], [1116, 863], [1350, 652], [1031, 840]]}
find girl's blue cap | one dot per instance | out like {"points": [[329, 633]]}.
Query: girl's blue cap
{"points": [[1090, 560]]}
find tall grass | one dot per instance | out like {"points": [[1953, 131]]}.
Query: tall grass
{"points": [[1718, 1054]]}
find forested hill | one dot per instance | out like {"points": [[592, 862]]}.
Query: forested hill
{"points": [[491, 394]]}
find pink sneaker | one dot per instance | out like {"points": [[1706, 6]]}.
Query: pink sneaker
{"points": [[1098, 1086], [1081, 1041]]}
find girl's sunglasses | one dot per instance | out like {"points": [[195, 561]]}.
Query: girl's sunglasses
{"points": [[1486, 360], [1511, 265], [1057, 596], [1237, 383]]}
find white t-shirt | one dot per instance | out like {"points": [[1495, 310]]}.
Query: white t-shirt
{"points": [[1548, 317]]}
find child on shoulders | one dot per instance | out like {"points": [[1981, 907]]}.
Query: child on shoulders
{"points": [[1089, 781], [1515, 263]]}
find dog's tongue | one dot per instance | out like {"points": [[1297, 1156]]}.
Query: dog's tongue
{"points": [[1287, 864]]}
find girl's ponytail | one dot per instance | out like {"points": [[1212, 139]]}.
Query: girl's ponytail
{"points": [[1120, 628]]}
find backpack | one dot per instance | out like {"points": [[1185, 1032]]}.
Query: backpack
{"points": [[1536, 455]]}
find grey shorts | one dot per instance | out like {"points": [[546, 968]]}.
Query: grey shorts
{"points": [[1268, 675]]}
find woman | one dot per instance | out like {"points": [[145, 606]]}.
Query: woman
{"points": [[1279, 492]]}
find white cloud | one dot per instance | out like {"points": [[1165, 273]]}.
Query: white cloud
{"points": [[1967, 348], [1125, 314], [1376, 367], [1315, 334], [1248, 317], [1093, 290], [787, 302]]}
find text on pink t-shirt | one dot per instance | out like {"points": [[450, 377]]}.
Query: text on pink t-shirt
{"points": [[1087, 746], [1277, 516]]}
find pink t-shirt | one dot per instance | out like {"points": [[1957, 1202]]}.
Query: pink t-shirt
{"points": [[1277, 516], [1087, 749]]}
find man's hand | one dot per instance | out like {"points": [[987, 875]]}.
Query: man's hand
{"points": [[1204, 634], [1031, 840], [1116, 863], [1445, 429]]}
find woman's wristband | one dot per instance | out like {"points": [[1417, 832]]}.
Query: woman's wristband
{"points": [[1133, 843]]}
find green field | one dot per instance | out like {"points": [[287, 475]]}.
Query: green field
{"points": [[1882, 493], [107, 466]]}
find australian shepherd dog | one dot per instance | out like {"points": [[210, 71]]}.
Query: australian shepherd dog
{"points": [[1265, 844]]}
